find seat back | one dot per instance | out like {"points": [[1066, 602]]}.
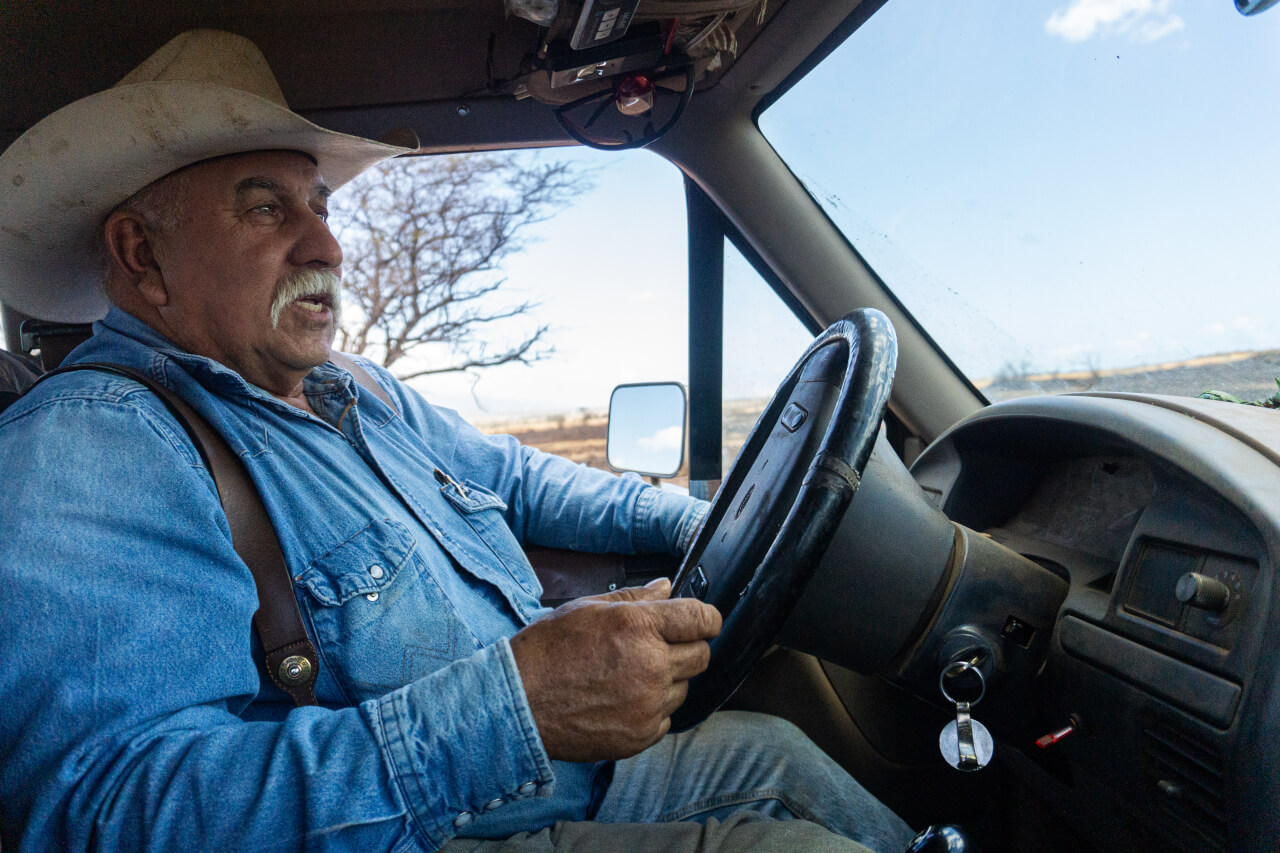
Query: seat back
{"points": [[17, 374], [54, 341]]}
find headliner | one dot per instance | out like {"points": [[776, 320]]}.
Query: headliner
{"points": [[366, 67]]}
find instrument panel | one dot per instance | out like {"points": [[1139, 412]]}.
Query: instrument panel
{"points": [[1164, 517]]}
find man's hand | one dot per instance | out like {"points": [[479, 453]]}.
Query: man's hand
{"points": [[604, 673]]}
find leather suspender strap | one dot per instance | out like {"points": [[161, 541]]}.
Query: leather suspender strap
{"points": [[291, 660]]}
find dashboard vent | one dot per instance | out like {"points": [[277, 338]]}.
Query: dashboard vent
{"points": [[1188, 779]]}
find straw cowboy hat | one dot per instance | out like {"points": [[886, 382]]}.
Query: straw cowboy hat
{"points": [[204, 94]]}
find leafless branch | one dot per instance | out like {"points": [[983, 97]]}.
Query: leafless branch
{"points": [[425, 239]]}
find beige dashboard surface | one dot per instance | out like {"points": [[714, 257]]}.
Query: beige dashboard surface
{"points": [[1255, 426]]}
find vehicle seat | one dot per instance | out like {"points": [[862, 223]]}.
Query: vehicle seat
{"points": [[53, 341], [17, 374]]}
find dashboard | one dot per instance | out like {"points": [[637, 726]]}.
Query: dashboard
{"points": [[1163, 515]]}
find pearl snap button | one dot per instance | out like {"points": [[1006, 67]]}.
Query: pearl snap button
{"points": [[527, 788], [462, 820], [373, 596], [492, 804], [375, 571]]}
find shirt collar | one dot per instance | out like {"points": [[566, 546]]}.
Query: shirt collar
{"points": [[214, 375]]}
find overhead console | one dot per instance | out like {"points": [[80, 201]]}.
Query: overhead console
{"points": [[1164, 516]]}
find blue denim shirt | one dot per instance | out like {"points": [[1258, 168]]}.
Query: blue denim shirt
{"points": [[134, 714]]}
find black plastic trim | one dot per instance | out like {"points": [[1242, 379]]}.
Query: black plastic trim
{"points": [[706, 333], [1187, 687]]}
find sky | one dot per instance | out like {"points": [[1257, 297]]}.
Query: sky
{"points": [[1055, 186], [608, 274], [1046, 186]]}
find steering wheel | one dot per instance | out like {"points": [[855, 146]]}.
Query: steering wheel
{"points": [[783, 500]]}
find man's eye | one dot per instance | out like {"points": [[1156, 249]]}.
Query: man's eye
{"points": [[323, 214], [266, 209]]}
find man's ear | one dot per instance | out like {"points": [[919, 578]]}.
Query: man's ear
{"points": [[133, 257]]}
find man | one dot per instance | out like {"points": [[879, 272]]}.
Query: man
{"points": [[451, 704]]}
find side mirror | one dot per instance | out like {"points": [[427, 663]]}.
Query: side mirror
{"points": [[1253, 7], [646, 428]]}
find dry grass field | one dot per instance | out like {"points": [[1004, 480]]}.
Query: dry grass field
{"points": [[1248, 375], [580, 436]]}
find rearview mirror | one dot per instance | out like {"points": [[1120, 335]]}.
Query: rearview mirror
{"points": [[646, 428]]}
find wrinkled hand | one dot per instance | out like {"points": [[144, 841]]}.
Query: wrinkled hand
{"points": [[603, 674]]}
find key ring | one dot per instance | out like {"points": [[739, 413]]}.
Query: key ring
{"points": [[961, 667]]}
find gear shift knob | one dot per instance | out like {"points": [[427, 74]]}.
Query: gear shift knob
{"points": [[941, 839]]}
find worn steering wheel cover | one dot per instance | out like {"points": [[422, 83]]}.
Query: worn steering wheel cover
{"points": [[829, 482]]}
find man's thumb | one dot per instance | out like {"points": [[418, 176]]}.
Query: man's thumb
{"points": [[654, 590]]}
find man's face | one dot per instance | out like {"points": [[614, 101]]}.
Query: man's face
{"points": [[250, 224]]}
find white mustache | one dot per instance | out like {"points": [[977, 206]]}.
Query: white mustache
{"points": [[307, 282]]}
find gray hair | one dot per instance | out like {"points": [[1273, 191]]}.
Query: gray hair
{"points": [[160, 205]]}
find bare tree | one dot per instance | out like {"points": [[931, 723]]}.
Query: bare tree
{"points": [[424, 240]]}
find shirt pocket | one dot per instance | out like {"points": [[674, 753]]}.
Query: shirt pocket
{"points": [[485, 512], [365, 564], [378, 616]]}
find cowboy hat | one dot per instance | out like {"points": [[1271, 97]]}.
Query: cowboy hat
{"points": [[204, 94]]}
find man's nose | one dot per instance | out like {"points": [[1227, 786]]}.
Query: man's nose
{"points": [[316, 246]]}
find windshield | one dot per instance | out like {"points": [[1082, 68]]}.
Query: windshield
{"points": [[1066, 197]]}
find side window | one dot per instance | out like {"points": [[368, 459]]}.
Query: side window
{"points": [[763, 339], [602, 273]]}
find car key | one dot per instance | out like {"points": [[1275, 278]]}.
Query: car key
{"points": [[965, 743]]}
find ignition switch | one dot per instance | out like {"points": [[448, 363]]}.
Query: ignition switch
{"points": [[972, 645]]}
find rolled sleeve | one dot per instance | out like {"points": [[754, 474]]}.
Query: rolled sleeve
{"points": [[665, 521], [439, 733]]}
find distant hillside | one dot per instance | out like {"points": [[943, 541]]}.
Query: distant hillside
{"points": [[1248, 375]]}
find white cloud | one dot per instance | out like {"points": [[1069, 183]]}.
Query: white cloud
{"points": [[1158, 29], [1141, 20], [667, 438]]}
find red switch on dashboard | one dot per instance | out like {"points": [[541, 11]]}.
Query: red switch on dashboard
{"points": [[1073, 724]]}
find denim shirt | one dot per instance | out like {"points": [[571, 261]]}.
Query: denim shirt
{"points": [[134, 715]]}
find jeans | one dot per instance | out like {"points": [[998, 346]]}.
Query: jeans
{"points": [[738, 761]]}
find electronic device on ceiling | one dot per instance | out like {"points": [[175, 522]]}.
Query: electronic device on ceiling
{"points": [[619, 73]]}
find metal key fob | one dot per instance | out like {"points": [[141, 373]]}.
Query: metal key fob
{"points": [[965, 743]]}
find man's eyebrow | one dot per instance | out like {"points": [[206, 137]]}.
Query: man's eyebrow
{"points": [[257, 183]]}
